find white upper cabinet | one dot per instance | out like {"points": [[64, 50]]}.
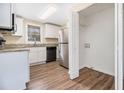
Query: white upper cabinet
{"points": [[51, 31], [5, 15], [18, 27]]}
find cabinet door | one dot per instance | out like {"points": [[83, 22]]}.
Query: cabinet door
{"points": [[5, 15], [56, 31], [33, 55], [37, 54], [51, 31], [48, 32], [19, 27], [42, 54]]}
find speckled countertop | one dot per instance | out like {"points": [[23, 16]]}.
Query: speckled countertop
{"points": [[31, 45], [13, 49], [23, 47]]}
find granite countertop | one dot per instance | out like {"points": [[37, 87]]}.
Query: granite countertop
{"points": [[13, 49], [31, 45], [23, 47]]}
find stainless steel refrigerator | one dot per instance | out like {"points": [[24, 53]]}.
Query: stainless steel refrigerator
{"points": [[63, 48]]}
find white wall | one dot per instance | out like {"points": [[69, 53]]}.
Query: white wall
{"points": [[99, 32]]}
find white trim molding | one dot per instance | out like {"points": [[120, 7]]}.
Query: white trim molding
{"points": [[74, 45], [119, 46]]}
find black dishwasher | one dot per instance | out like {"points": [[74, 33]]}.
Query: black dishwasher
{"points": [[51, 54]]}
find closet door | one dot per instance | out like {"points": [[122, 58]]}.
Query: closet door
{"points": [[119, 46]]}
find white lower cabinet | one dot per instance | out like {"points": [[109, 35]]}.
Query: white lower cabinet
{"points": [[42, 54], [14, 70], [32, 57], [37, 55]]}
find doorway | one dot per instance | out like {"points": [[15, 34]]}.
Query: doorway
{"points": [[96, 42], [97, 37]]}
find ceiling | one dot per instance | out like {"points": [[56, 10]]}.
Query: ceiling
{"points": [[95, 8], [34, 11]]}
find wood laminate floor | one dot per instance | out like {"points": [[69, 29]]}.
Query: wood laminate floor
{"points": [[51, 76]]}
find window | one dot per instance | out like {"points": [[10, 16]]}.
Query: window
{"points": [[33, 33]]}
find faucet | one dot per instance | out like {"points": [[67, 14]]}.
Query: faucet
{"points": [[34, 41]]}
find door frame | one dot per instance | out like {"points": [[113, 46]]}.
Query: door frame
{"points": [[119, 46], [74, 39]]}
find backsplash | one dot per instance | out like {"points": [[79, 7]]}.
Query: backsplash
{"points": [[14, 40]]}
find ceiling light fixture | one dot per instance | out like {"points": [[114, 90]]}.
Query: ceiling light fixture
{"points": [[51, 10]]}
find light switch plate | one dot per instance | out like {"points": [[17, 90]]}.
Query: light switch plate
{"points": [[87, 45]]}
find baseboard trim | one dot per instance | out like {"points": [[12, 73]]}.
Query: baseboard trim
{"points": [[37, 63], [98, 70]]}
